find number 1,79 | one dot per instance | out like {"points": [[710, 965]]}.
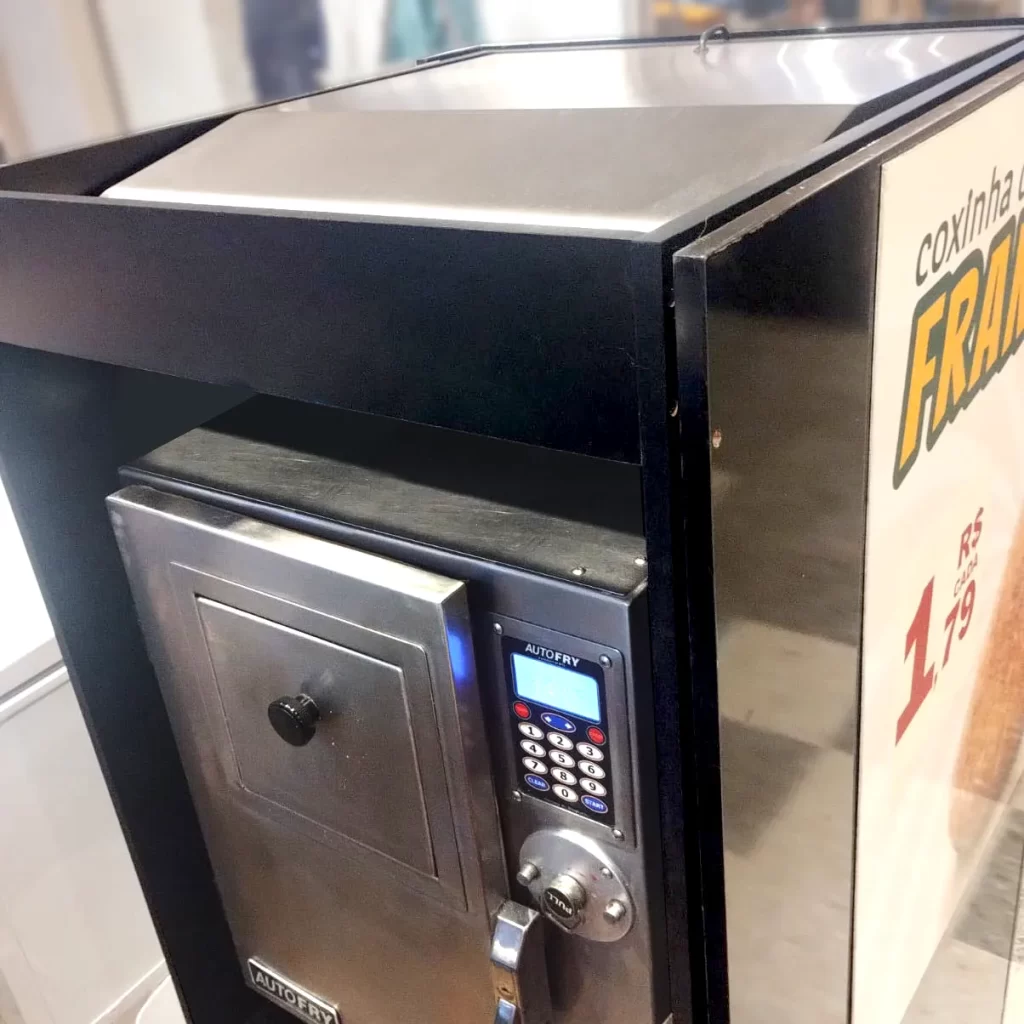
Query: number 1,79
{"points": [[922, 679]]}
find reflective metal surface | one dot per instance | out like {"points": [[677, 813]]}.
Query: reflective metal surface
{"points": [[628, 170], [519, 968], [604, 615], [834, 70], [375, 744], [586, 877], [609, 140], [340, 859], [787, 359]]}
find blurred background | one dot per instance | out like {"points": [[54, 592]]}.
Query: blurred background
{"points": [[72, 71]]}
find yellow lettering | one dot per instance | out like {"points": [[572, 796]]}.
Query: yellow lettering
{"points": [[986, 347], [1013, 330], [922, 373], [952, 369]]}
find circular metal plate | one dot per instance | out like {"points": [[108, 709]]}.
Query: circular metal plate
{"points": [[557, 852]]}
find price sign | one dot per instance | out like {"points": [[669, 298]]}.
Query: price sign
{"points": [[942, 689]]}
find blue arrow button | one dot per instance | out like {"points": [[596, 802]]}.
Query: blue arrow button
{"points": [[557, 722]]}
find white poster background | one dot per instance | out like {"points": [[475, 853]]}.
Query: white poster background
{"points": [[910, 872]]}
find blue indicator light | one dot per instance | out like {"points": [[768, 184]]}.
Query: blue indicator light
{"points": [[537, 782], [458, 655]]}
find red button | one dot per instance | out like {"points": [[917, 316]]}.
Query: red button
{"points": [[595, 735], [521, 709]]}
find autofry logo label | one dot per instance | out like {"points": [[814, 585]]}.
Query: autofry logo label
{"points": [[970, 321], [289, 995]]}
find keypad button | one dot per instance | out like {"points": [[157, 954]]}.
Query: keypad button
{"points": [[563, 760], [561, 775], [597, 736], [556, 739], [570, 796], [557, 722], [522, 710], [535, 766], [536, 782], [531, 731], [593, 804], [593, 787], [590, 752], [591, 769], [533, 749]]}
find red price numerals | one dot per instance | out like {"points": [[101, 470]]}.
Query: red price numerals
{"points": [[958, 621], [923, 679], [962, 611]]}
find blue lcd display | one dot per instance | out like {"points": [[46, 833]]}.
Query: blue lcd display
{"points": [[555, 687]]}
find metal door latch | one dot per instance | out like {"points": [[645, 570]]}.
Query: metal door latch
{"points": [[518, 967]]}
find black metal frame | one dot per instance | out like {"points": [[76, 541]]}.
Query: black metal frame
{"points": [[567, 340]]}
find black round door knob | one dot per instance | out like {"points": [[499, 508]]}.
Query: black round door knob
{"points": [[294, 718]]}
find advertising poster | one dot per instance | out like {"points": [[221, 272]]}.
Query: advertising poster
{"points": [[943, 656]]}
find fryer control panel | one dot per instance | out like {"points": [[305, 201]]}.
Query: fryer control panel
{"points": [[561, 735]]}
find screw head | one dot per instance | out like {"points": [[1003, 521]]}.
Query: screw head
{"points": [[527, 873], [498, 629], [614, 911], [640, 562], [617, 833], [516, 795], [579, 571], [716, 438], [605, 661], [607, 872]]}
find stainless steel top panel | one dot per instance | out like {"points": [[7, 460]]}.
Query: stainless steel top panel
{"points": [[832, 69], [619, 140]]}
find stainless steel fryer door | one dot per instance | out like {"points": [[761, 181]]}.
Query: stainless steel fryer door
{"points": [[326, 707]]}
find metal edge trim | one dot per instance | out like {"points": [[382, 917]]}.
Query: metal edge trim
{"points": [[870, 134], [32, 693], [877, 150]]}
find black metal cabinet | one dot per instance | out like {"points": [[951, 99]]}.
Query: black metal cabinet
{"points": [[125, 322]]}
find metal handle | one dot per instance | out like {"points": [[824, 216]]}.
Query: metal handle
{"points": [[507, 1013], [518, 967], [719, 31]]}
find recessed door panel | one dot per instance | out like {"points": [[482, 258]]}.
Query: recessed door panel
{"points": [[355, 840], [359, 775]]}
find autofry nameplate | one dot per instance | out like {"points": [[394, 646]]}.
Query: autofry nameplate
{"points": [[292, 997]]}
